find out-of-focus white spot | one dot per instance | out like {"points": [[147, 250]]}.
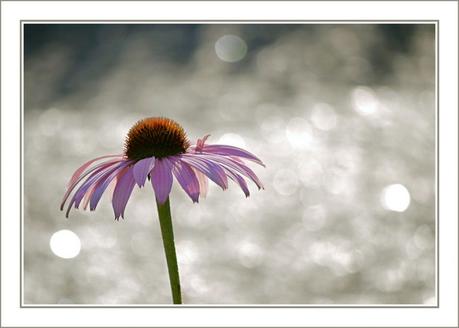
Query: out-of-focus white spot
{"points": [[250, 254], [323, 117], [65, 244], [187, 251], [364, 101], [230, 48], [320, 251], [198, 285], [337, 256], [310, 172], [299, 133], [395, 197], [232, 139], [314, 217], [337, 182], [285, 182]]}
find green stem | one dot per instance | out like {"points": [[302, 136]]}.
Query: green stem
{"points": [[165, 221]]}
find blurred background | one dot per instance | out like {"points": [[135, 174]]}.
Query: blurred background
{"points": [[342, 115]]}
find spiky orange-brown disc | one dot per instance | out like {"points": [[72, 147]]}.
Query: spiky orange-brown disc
{"points": [[155, 136]]}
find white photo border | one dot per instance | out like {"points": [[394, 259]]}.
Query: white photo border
{"points": [[443, 15]]}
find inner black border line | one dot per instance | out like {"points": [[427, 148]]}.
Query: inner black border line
{"points": [[343, 22]]}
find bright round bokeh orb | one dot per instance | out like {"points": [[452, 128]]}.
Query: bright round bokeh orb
{"points": [[364, 101], [65, 244], [395, 198], [299, 133], [230, 48]]}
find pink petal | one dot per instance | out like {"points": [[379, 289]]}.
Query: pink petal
{"points": [[96, 180], [236, 166], [141, 169], [161, 179], [93, 171], [90, 182], [187, 179], [240, 181], [87, 196], [231, 151], [200, 143], [210, 169], [81, 169], [104, 182], [124, 185], [203, 182]]}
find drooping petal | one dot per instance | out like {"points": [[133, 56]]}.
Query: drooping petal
{"points": [[236, 166], [187, 179], [226, 150], [86, 188], [91, 182], [141, 169], [161, 179], [91, 172], [250, 174], [214, 171], [103, 184], [83, 167], [203, 183], [87, 195], [239, 180], [124, 185]]}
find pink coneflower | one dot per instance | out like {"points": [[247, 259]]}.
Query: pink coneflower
{"points": [[158, 149]]}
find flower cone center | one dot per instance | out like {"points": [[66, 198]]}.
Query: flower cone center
{"points": [[155, 136]]}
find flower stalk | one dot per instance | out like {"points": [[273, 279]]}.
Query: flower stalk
{"points": [[165, 221]]}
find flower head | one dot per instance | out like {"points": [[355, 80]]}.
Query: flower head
{"points": [[155, 137], [158, 149]]}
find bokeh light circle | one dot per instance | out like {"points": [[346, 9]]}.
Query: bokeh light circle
{"points": [[232, 139], [230, 48], [65, 244], [323, 117], [395, 198], [364, 101], [299, 133]]}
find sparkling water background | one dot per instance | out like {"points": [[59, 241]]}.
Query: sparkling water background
{"points": [[342, 115]]}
